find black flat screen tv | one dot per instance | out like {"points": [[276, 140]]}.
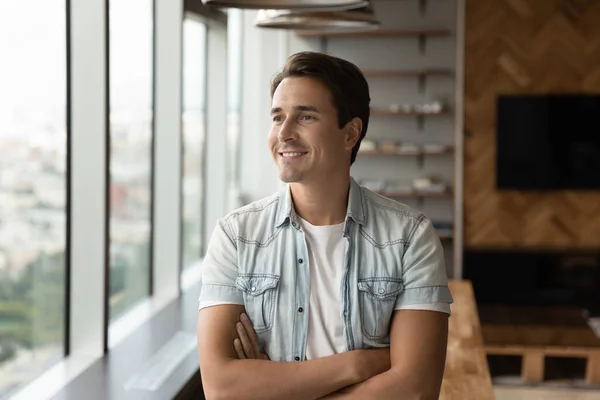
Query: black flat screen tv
{"points": [[548, 142]]}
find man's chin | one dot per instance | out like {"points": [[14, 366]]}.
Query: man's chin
{"points": [[287, 177]]}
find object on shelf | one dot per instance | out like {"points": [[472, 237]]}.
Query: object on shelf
{"points": [[388, 146], [408, 148], [395, 189], [429, 185], [401, 108], [434, 107], [393, 147], [367, 146], [435, 148], [374, 185], [399, 188]]}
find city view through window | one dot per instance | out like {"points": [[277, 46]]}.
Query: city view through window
{"points": [[33, 144], [193, 130], [131, 111]]}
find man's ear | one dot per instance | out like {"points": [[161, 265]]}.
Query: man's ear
{"points": [[353, 131]]}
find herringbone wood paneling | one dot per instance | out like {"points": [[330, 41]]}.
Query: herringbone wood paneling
{"points": [[525, 46]]}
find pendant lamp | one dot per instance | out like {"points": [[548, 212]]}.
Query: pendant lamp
{"points": [[294, 5], [358, 19]]}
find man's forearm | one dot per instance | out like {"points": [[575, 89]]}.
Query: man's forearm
{"points": [[262, 379], [388, 385]]}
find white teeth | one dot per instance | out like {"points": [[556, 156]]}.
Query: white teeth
{"points": [[291, 154]]}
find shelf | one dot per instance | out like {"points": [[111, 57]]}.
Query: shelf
{"points": [[407, 73], [445, 236], [398, 195], [389, 112], [381, 33], [406, 153]]}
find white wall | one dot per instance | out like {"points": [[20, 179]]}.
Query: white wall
{"points": [[264, 53]]}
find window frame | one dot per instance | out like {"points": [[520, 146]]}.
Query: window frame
{"points": [[152, 154], [65, 324], [185, 269]]}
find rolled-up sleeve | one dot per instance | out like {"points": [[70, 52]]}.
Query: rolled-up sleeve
{"points": [[219, 269], [424, 271]]}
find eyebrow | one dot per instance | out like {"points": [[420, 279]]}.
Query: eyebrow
{"points": [[297, 108]]}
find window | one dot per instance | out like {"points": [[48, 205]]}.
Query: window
{"points": [[131, 112], [193, 130], [33, 195]]}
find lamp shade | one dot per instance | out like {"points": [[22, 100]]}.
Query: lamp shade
{"points": [[294, 5], [357, 19]]}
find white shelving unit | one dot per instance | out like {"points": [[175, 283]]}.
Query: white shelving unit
{"points": [[409, 63]]}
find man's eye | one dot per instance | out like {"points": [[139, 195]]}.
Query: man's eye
{"points": [[307, 117], [277, 118]]}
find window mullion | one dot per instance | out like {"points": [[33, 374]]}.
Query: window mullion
{"points": [[89, 176], [167, 148]]}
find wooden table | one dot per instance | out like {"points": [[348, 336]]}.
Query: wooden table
{"points": [[467, 374]]}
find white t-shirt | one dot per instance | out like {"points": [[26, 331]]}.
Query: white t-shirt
{"points": [[326, 248]]}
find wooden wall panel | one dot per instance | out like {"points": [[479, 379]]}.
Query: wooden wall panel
{"points": [[525, 46]]}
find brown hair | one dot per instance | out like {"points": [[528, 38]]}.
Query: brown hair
{"points": [[346, 83]]}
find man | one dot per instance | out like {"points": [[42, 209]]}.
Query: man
{"points": [[325, 289]]}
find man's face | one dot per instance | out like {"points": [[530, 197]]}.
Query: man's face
{"points": [[305, 140]]}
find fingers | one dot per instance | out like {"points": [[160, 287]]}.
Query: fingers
{"points": [[243, 336], [237, 345], [251, 333], [246, 345]]}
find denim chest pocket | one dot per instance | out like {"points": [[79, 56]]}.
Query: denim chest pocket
{"points": [[377, 299], [260, 295]]}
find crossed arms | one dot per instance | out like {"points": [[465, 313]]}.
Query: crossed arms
{"points": [[412, 368]]}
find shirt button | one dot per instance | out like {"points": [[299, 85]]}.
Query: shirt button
{"points": [[294, 224], [381, 291], [253, 289], [300, 309], [297, 358], [300, 260]]}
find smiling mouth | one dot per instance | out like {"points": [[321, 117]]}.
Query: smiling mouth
{"points": [[291, 154]]}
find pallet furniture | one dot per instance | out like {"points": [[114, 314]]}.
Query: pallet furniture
{"points": [[535, 333], [466, 375]]}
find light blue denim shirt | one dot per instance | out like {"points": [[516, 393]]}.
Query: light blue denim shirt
{"points": [[257, 257]]}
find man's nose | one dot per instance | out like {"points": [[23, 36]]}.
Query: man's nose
{"points": [[287, 131]]}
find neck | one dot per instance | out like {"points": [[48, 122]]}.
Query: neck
{"points": [[321, 203]]}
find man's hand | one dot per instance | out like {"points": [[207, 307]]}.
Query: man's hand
{"points": [[246, 344], [367, 363], [224, 376], [372, 362]]}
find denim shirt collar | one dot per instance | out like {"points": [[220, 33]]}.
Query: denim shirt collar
{"points": [[356, 210]]}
